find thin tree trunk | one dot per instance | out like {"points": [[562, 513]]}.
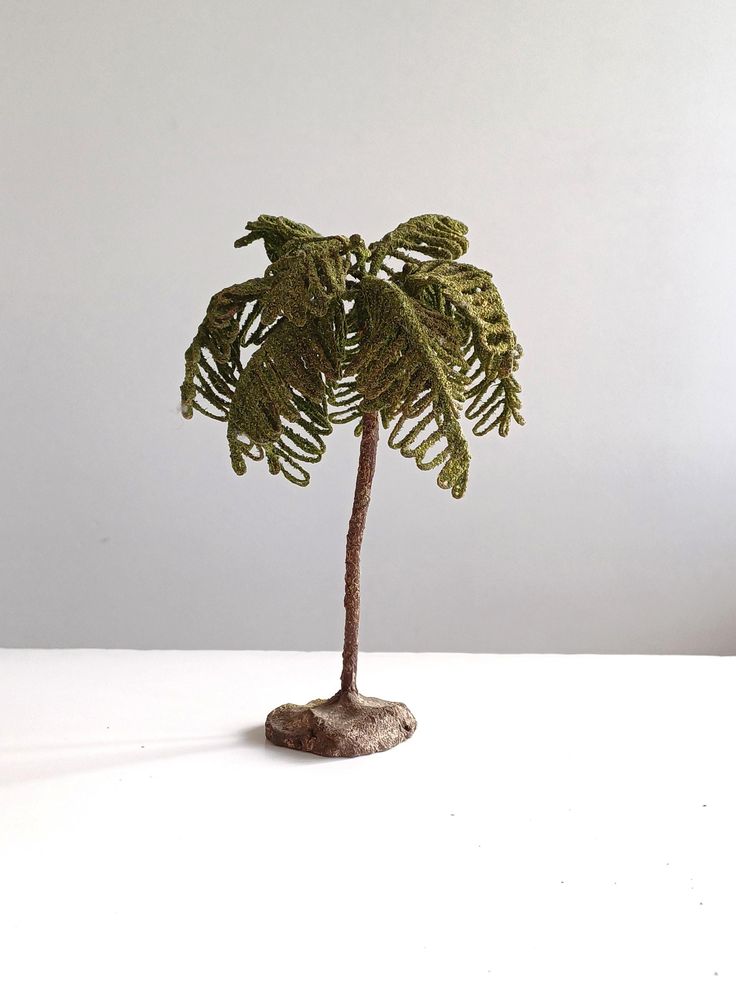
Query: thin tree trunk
{"points": [[366, 469]]}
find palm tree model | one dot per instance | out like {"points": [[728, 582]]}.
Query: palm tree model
{"points": [[340, 332]]}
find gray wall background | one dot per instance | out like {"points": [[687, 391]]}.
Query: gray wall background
{"points": [[589, 147]]}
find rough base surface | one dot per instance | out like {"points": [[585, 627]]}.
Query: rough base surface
{"points": [[348, 724]]}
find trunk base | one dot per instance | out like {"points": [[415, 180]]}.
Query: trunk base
{"points": [[348, 724]]}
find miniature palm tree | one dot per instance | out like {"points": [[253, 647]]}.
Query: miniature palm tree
{"points": [[339, 332]]}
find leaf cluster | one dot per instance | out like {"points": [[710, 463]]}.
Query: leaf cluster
{"points": [[335, 329]]}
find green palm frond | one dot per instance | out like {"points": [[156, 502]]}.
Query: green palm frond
{"points": [[278, 408], [408, 365], [469, 295], [207, 380], [308, 280], [276, 232], [436, 236], [335, 331]]}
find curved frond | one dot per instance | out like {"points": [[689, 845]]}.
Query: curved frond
{"points": [[306, 281], [221, 333], [436, 236], [278, 407], [407, 363], [469, 296], [276, 404], [276, 232]]}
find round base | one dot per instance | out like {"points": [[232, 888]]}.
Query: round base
{"points": [[348, 724]]}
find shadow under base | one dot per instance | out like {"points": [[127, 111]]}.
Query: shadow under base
{"points": [[348, 724]]}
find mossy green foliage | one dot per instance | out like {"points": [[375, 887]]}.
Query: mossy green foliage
{"points": [[335, 329]]}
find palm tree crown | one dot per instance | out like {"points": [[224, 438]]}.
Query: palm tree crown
{"points": [[338, 330]]}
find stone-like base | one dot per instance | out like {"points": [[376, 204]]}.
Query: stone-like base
{"points": [[347, 724]]}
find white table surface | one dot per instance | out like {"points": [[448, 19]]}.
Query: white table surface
{"points": [[553, 818]]}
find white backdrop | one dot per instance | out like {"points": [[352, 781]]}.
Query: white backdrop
{"points": [[589, 148]]}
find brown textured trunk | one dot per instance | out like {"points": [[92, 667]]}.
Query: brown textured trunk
{"points": [[348, 724], [366, 469]]}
